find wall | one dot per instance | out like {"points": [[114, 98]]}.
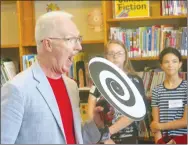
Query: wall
{"points": [[9, 23], [79, 10]]}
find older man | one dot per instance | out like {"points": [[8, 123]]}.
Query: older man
{"points": [[41, 105]]}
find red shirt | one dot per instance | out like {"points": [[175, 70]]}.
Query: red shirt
{"points": [[65, 109]]}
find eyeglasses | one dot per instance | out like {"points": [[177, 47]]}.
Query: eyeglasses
{"points": [[71, 40], [117, 54]]}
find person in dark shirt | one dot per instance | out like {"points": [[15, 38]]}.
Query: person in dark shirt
{"points": [[122, 128]]}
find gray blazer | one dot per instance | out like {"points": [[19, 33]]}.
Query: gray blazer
{"points": [[30, 114]]}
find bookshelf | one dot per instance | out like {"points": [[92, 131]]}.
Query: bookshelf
{"points": [[23, 15], [9, 24], [147, 18], [150, 58], [155, 18], [16, 46], [9, 32], [18, 22], [93, 42]]}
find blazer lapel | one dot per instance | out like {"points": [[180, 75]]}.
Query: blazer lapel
{"points": [[47, 93]]}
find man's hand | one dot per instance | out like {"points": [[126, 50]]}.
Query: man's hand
{"points": [[98, 116], [109, 141], [155, 126], [110, 115]]}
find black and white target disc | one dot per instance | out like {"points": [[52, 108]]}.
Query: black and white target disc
{"points": [[117, 88]]}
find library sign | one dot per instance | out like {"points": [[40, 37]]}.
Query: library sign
{"points": [[131, 8]]}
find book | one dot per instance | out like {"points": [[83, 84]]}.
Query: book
{"points": [[10, 69], [131, 8], [80, 72], [28, 60]]}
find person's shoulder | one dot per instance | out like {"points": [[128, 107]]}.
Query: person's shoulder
{"points": [[184, 83], [20, 82], [69, 80], [23, 78], [158, 87], [135, 78]]}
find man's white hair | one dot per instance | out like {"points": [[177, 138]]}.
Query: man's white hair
{"points": [[47, 25]]}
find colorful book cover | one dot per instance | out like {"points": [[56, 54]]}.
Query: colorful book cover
{"points": [[30, 59], [131, 9]]}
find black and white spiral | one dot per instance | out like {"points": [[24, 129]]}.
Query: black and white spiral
{"points": [[117, 88]]}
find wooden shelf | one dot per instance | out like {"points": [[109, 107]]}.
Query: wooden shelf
{"points": [[93, 42], [84, 89], [8, 2], [30, 45], [10, 46], [150, 58], [144, 58], [147, 18]]}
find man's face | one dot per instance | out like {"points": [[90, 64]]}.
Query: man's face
{"points": [[66, 48]]}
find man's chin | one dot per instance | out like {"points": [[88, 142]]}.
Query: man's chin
{"points": [[66, 69]]}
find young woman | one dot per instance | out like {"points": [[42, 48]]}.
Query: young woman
{"points": [[169, 101], [123, 129]]}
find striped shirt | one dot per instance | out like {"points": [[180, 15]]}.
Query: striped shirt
{"points": [[164, 98]]}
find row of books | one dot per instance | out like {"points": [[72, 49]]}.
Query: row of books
{"points": [[150, 41], [79, 70], [8, 71], [173, 7], [153, 78]]}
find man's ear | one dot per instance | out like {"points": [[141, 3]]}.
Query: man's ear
{"points": [[47, 44]]}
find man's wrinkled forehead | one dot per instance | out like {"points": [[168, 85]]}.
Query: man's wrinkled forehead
{"points": [[68, 28]]}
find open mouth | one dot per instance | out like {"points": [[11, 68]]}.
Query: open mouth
{"points": [[71, 57]]}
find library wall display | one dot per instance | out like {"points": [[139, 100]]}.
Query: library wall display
{"points": [[95, 20], [80, 11]]}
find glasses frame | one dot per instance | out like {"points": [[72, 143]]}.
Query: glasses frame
{"points": [[72, 40]]}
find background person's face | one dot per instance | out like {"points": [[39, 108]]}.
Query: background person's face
{"points": [[171, 64], [116, 54], [65, 50]]}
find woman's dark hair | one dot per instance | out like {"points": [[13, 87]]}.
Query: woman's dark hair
{"points": [[168, 50]]}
